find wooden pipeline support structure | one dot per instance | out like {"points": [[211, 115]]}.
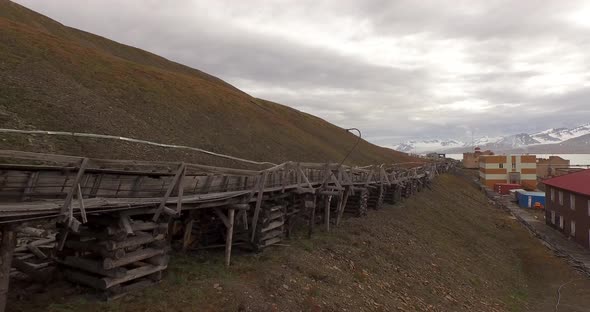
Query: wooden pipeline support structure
{"points": [[117, 220]]}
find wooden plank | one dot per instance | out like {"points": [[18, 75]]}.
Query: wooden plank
{"points": [[208, 182], [108, 282], [92, 266], [34, 176], [139, 239], [119, 292], [35, 243], [31, 270], [138, 255], [36, 251], [133, 274], [94, 246]]}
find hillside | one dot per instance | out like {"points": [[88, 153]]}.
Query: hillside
{"points": [[445, 249], [53, 77]]}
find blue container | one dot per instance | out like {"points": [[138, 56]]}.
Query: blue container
{"points": [[528, 199]]}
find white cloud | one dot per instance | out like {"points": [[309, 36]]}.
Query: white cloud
{"points": [[397, 69]]}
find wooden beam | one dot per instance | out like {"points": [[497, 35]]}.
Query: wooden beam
{"points": [[304, 177], [369, 178], [222, 216], [335, 179], [125, 224], [180, 188], [385, 177]]}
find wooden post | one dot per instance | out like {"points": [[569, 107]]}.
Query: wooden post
{"points": [[188, 230], [341, 205], [229, 236], [82, 208], [171, 187], [312, 217], [327, 212], [68, 201], [258, 204], [6, 251]]}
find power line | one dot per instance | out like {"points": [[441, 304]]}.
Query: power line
{"points": [[133, 140]]}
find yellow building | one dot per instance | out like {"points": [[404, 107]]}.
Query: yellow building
{"points": [[517, 169]]}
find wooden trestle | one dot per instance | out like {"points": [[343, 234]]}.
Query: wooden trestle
{"points": [[117, 219]]}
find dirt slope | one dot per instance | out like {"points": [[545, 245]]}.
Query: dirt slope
{"points": [[53, 77], [445, 249]]}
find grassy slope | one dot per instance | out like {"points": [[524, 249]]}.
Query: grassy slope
{"points": [[58, 78], [445, 249]]}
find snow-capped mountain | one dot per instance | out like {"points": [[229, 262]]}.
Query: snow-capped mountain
{"points": [[484, 141], [416, 146], [557, 135], [510, 142], [424, 146]]}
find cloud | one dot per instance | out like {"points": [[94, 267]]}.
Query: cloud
{"points": [[396, 69]]}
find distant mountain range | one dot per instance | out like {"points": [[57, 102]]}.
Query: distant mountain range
{"points": [[555, 140]]}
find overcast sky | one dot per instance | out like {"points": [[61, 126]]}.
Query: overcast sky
{"points": [[395, 69]]}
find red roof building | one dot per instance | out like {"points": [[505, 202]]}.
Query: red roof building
{"points": [[567, 205], [577, 182]]}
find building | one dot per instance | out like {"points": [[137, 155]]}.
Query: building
{"points": [[436, 155], [549, 167], [568, 205], [514, 169], [471, 160], [526, 199]]}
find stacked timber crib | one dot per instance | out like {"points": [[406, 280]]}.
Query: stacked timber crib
{"points": [[117, 220]]}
